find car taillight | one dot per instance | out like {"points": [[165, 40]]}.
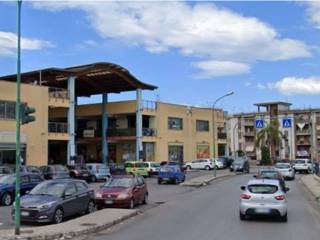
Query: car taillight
{"points": [[245, 196], [280, 197], [77, 173]]}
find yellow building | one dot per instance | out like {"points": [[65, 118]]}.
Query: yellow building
{"points": [[152, 131]]}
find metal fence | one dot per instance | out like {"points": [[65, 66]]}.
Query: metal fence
{"points": [[58, 127], [58, 93]]}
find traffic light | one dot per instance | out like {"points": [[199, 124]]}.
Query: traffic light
{"points": [[26, 112]]}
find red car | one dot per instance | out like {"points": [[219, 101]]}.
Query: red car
{"points": [[122, 191]]}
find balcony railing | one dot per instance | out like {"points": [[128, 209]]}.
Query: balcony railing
{"points": [[58, 127], [58, 93], [122, 132], [248, 122], [149, 105], [248, 133], [303, 132], [222, 135]]}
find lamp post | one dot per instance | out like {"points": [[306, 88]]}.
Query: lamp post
{"points": [[214, 128], [18, 122]]}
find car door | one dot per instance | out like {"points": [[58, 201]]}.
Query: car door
{"points": [[195, 164], [142, 191], [35, 180], [70, 205], [83, 196], [136, 192]]}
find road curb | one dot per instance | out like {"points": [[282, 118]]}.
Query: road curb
{"points": [[205, 182], [72, 234], [311, 187]]}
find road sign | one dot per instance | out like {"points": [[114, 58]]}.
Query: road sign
{"points": [[286, 123], [259, 123]]}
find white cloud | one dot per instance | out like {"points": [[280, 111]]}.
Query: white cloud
{"points": [[260, 86], [297, 86], [247, 84], [201, 30], [313, 12], [212, 68], [8, 43]]}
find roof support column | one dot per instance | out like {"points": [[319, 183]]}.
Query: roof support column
{"points": [[139, 147], [71, 121], [104, 143]]}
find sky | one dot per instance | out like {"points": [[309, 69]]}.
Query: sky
{"points": [[194, 52]]}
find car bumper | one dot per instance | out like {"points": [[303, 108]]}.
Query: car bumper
{"points": [[104, 202], [287, 175], [249, 208], [35, 216]]}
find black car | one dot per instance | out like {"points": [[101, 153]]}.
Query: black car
{"points": [[30, 169], [54, 172], [228, 160], [8, 186], [79, 172], [240, 164], [53, 200]]}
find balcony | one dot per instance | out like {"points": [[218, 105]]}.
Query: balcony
{"points": [[222, 135], [248, 122], [123, 132], [58, 131], [58, 97], [248, 134], [303, 143], [303, 132]]}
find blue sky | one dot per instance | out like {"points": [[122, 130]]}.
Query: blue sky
{"points": [[193, 51]]}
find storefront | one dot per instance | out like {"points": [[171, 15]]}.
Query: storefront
{"points": [[175, 153]]}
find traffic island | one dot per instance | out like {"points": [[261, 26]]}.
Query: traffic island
{"points": [[205, 179], [86, 224]]}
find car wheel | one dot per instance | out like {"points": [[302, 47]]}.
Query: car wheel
{"points": [[159, 180], [207, 168], [93, 178], [176, 181], [145, 199], [242, 216], [58, 216], [131, 204], [72, 175], [91, 207], [188, 167], [284, 218], [6, 199]]}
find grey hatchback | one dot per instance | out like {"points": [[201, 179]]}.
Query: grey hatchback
{"points": [[52, 200]]}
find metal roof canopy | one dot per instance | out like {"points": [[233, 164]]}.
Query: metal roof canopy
{"points": [[265, 104], [91, 79]]}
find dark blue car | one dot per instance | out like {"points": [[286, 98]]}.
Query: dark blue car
{"points": [[171, 173], [7, 186]]}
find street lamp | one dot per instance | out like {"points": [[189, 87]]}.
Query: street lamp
{"points": [[214, 128]]}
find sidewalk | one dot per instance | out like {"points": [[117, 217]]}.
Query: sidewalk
{"points": [[86, 224], [206, 178], [312, 182]]}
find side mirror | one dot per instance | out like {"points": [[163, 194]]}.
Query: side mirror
{"points": [[287, 189], [243, 188], [27, 192]]}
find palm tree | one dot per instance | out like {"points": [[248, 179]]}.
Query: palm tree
{"points": [[270, 137]]}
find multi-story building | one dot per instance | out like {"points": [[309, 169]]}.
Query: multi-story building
{"points": [[119, 131], [300, 128]]}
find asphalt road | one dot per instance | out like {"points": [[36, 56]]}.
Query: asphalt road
{"points": [[211, 213], [158, 194]]}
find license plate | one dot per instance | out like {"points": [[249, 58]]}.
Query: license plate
{"points": [[108, 202], [25, 214], [262, 210]]}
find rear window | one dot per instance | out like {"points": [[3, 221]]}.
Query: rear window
{"points": [[167, 169], [283, 165], [269, 174], [262, 188], [155, 164], [60, 168], [141, 165], [300, 161]]}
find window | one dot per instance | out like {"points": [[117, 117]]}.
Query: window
{"points": [[81, 187], [35, 179], [70, 190], [24, 180], [175, 123], [202, 126], [7, 110]]}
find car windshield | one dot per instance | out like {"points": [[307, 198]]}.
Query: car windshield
{"points": [[49, 188], [268, 174], [119, 182], [60, 168], [283, 165], [155, 165], [300, 161], [262, 188], [9, 179], [167, 169], [141, 165], [238, 161]]}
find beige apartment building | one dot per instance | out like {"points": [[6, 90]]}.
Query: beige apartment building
{"points": [[118, 131]]}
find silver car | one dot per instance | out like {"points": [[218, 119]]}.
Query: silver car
{"points": [[285, 170], [263, 197]]}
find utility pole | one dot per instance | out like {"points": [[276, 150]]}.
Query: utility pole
{"points": [[18, 122]]}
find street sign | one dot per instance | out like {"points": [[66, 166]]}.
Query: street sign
{"points": [[286, 123], [259, 123]]}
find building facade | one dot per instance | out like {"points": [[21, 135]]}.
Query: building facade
{"points": [[300, 128]]}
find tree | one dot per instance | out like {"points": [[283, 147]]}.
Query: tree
{"points": [[269, 138]]}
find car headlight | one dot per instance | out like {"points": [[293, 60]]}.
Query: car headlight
{"points": [[46, 206], [123, 196], [98, 195]]}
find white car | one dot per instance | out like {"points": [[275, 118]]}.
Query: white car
{"points": [[263, 197], [153, 167], [285, 170], [302, 165], [200, 164]]}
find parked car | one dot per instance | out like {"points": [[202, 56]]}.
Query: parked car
{"points": [[98, 171], [220, 163], [270, 173], [30, 169], [303, 165], [54, 172], [137, 168], [122, 191], [5, 170], [285, 170], [228, 160], [153, 168], [53, 200], [79, 172], [240, 164], [8, 185], [171, 173], [206, 164], [263, 197], [117, 169]]}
